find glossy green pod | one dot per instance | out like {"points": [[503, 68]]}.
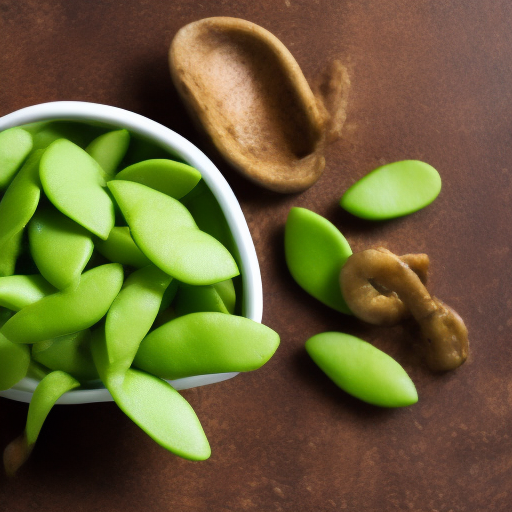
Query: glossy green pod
{"points": [[20, 199], [14, 362], [15, 145], [160, 411], [67, 311], [214, 297], [19, 291], [37, 371], [362, 370], [119, 247], [144, 149], [164, 316], [46, 132], [167, 176], [153, 405], [393, 190], [132, 314], [315, 251], [70, 353], [208, 215], [47, 392], [167, 234], [109, 149], [226, 290], [9, 253], [75, 183], [203, 343], [5, 314], [60, 247], [169, 294]]}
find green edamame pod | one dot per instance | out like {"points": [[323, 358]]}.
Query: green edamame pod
{"points": [[119, 247], [132, 314], [193, 299], [19, 291], [154, 405], [167, 234], [109, 149], [59, 246], [226, 291], [9, 253], [74, 182], [14, 362], [158, 409], [393, 190], [37, 371], [164, 316], [15, 145], [144, 149], [315, 251], [362, 370], [203, 343], [70, 353], [5, 314], [210, 218], [169, 294], [47, 392], [67, 311], [208, 215], [20, 199], [167, 176], [44, 133]]}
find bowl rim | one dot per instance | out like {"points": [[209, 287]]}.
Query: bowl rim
{"points": [[178, 145]]}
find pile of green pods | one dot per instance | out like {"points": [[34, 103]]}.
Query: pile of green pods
{"points": [[116, 263], [315, 252]]}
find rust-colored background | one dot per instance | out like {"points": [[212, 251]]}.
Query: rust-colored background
{"points": [[431, 80]]}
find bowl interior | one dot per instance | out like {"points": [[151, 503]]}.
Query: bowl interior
{"points": [[148, 132]]}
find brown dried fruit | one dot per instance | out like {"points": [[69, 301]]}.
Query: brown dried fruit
{"points": [[381, 288]]}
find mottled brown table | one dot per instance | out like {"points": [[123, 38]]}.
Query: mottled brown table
{"points": [[430, 81]]}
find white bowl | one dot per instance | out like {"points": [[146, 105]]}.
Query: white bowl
{"points": [[252, 300]]}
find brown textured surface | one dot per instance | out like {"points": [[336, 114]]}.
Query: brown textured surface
{"points": [[249, 95], [430, 80]]}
